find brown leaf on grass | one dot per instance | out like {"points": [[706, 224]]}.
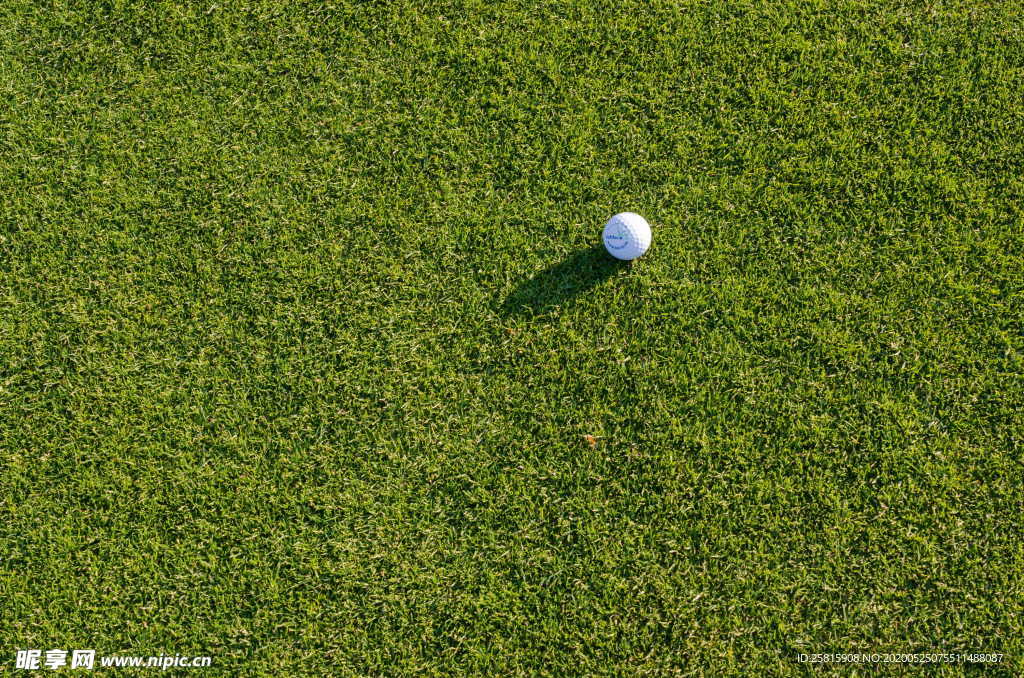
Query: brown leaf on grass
{"points": [[591, 440]]}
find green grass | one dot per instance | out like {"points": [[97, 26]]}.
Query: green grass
{"points": [[302, 329]]}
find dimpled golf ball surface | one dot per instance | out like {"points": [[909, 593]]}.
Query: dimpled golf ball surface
{"points": [[627, 236]]}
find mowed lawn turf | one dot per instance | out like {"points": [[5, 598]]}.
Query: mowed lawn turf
{"points": [[305, 323]]}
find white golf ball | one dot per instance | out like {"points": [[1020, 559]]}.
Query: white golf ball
{"points": [[627, 236]]}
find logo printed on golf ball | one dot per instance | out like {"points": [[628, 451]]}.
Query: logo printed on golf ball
{"points": [[627, 236], [616, 241]]}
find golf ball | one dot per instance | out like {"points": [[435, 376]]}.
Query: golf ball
{"points": [[627, 236]]}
